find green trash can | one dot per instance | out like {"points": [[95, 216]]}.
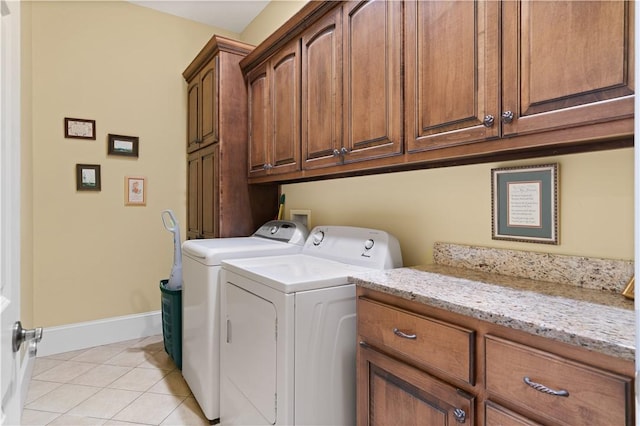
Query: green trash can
{"points": [[172, 322]]}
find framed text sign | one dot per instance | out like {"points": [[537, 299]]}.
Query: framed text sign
{"points": [[524, 204]]}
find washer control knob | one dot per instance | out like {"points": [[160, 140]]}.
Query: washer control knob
{"points": [[318, 237], [273, 229], [368, 244]]}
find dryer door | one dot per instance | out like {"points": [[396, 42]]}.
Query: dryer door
{"points": [[250, 349]]}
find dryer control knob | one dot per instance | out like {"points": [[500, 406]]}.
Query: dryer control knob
{"points": [[318, 237], [273, 229], [368, 244]]}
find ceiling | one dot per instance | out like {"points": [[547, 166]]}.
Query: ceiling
{"points": [[231, 15]]}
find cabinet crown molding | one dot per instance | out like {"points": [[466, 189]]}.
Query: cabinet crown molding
{"points": [[214, 45]]}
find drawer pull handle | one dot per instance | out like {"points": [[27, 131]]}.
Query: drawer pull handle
{"points": [[404, 335], [542, 388]]}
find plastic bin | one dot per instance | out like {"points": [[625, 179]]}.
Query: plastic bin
{"points": [[172, 322]]}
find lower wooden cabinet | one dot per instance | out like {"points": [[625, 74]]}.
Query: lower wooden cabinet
{"points": [[421, 365], [394, 393]]}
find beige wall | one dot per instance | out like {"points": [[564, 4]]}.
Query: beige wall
{"points": [[454, 205], [273, 16], [121, 65]]}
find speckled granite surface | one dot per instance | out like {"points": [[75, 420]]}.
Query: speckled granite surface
{"points": [[601, 321], [587, 272]]}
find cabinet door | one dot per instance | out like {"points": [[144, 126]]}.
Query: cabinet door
{"points": [[567, 63], [210, 191], [322, 91], [391, 392], [258, 100], [372, 39], [451, 67], [209, 89], [193, 115], [194, 196], [284, 154]]}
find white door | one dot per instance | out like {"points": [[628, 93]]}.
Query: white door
{"points": [[12, 367]]}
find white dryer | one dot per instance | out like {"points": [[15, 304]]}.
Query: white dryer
{"points": [[288, 348], [201, 301]]}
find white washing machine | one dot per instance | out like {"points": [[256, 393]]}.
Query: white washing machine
{"points": [[288, 348], [201, 301]]}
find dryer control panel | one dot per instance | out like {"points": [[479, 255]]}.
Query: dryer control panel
{"points": [[371, 248]]}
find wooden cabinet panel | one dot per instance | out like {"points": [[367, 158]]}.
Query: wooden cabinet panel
{"points": [[322, 91], [194, 196], [210, 158], [581, 391], [258, 98], [444, 347], [567, 63], [193, 115], [451, 68], [372, 79], [202, 103], [393, 393], [285, 100], [209, 84]]}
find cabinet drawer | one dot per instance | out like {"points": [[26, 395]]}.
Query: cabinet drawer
{"points": [[432, 343], [497, 415], [587, 395]]}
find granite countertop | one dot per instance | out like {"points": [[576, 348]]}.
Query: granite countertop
{"points": [[597, 320]]}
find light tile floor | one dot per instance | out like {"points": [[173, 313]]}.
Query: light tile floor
{"points": [[126, 383]]}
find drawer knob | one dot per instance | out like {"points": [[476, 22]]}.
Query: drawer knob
{"points": [[404, 335], [542, 388]]}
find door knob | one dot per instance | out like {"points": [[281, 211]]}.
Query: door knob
{"points": [[21, 335]]}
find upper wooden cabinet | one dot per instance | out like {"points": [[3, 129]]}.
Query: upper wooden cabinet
{"points": [[202, 113], [392, 85], [274, 113], [451, 69], [557, 65], [566, 64], [220, 202], [351, 84]]}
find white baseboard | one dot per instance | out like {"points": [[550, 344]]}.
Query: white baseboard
{"points": [[84, 335]]}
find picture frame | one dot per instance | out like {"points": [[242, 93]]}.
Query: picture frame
{"points": [[79, 128], [524, 204], [122, 145], [629, 290], [135, 191], [88, 177]]}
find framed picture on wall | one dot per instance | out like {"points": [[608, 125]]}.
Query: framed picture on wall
{"points": [[79, 128], [88, 177], [524, 204], [123, 145], [135, 191]]}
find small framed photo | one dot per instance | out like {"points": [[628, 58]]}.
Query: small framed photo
{"points": [[135, 191], [88, 177], [79, 128], [524, 204], [123, 145]]}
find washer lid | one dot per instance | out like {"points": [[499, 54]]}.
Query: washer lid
{"points": [[211, 252], [292, 273]]}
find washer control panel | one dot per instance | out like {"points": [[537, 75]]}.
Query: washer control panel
{"points": [[283, 230]]}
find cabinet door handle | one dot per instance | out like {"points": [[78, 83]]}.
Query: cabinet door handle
{"points": [[336, 153], [488, 120], [344, 151], [542, 388], [507, 117], [267, 166], [404, 335]]}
